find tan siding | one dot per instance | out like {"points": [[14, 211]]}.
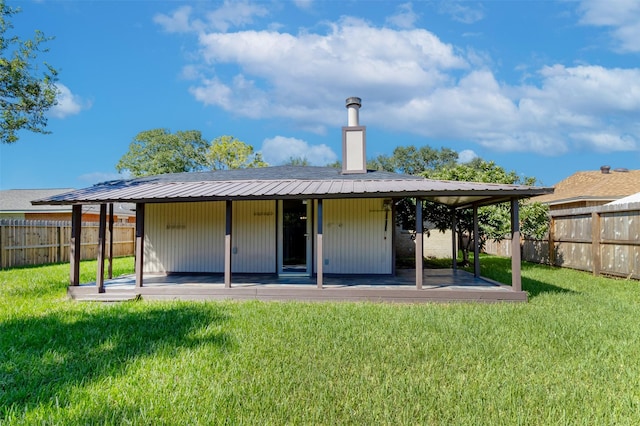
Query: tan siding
{"points": [[184, 237], [354, 237], [254, 237]]}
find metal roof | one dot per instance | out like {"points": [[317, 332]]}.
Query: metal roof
{"points": [[290, 182]]}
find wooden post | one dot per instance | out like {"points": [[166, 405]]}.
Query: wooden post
{"points": [[516, 276], [110, 270], [392, 225], [101, 246], [227, 244], [60, 237], [139, 244], [319, 255], [454, 246], [552, 244], [419, 245], [476, 243], [596, 260], [74, 246]]}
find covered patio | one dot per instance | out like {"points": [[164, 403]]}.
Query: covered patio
{"points": [[439, 285]]}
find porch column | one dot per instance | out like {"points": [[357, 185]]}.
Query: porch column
{"points": [[454, 247], [419, 245], [516, 279], [110, 269], [227, 244], [101, 246], [476, 243], [139, 243], [74, 244], [319, 255]]}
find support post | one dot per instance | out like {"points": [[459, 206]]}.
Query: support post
{"points": [[392, 224], [516, 276], [227, 244], [74, 246], [454, 246], [319, 255], [110, 269], [140, 207], [596, 260], [476, 243], [102, 225], [419, 245]]}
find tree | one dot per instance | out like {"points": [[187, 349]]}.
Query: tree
{"points": [[297, 161], [412, 161], [494, 222], [227, 152], [159, 151], [26, 94]]}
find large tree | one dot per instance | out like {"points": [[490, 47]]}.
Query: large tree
{"points": [[159, 151], [227, 152], [494, 221], [26, 91], [412, 161]]}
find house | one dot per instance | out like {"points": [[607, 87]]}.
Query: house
{"points": [[16, 204], [592, 188], [295, 223]]}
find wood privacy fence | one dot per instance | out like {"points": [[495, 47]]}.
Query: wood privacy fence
{"points": [[37, 242], [602, 240]]}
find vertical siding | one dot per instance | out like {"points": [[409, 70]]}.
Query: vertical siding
{"points": [[254, 237], [184, 237], [354, 237]]}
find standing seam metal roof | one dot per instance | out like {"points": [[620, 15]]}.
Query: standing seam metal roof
{"points": [[290, 182]]}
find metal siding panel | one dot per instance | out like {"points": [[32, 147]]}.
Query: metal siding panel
{"points": [[185, 237], [254, 237], [354, 240]]}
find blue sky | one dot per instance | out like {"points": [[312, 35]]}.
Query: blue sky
{"points": [[545, 88]]}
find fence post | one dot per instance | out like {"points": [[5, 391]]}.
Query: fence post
{"points": [[596, 261], [552, 246]]}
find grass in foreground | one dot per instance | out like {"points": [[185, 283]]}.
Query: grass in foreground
{"points": [[569, 356]]}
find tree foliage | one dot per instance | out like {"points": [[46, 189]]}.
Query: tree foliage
{"points": [[413, 161], [494, 221], [26, 92], [159, 151], [297, 161], [227, 152]]}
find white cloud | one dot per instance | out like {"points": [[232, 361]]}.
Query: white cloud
{"points": [[280, 149], [303, 4], [177, 22], [410, 80], [230, 14], [466, 155], [405, 17], [622, 16], [461, 13], [68, 103]]}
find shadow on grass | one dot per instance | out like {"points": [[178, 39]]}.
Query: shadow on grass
{"points": [[42, 357]]}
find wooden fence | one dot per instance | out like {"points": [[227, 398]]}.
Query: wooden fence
{"points": [[37, 242], [601, 240]]}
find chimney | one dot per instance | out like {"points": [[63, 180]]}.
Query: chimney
{"points": [[353, 140], [605, 170]]}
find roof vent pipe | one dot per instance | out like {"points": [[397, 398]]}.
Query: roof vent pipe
{"points": [[353, 107], [605, 170]]}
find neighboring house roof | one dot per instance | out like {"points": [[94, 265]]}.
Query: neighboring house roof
{"points": [[19, 201], [593, 186], [290, 182], [634, 198]]}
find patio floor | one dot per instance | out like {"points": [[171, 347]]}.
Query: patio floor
{"points": [[439, 285]]}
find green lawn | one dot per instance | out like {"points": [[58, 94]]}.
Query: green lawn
{"points": [[569, 356]]}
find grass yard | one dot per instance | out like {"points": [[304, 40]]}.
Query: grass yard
{"points": [[569, 356]]}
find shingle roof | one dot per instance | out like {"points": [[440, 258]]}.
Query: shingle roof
{"points": [[19, 201], [594, 185], [287, 182]]}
